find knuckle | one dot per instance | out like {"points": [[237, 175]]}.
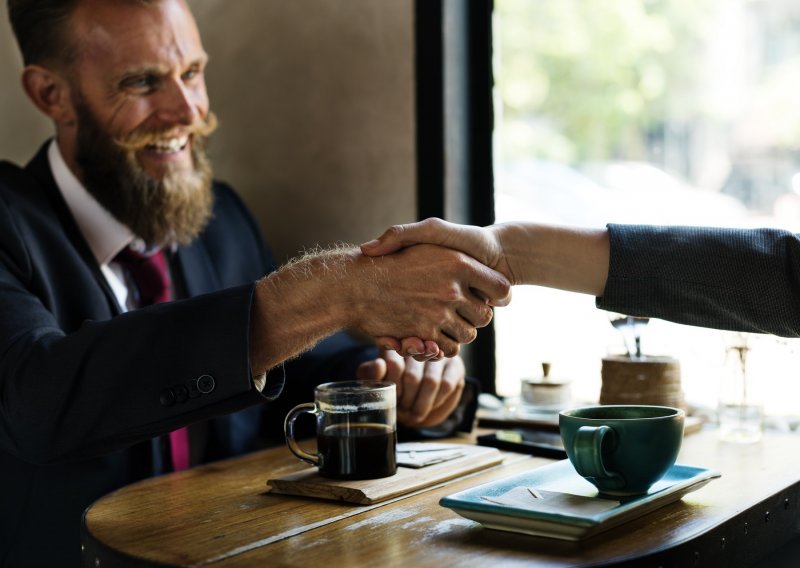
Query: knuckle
{"points": [[447, 387], [412, 378], [470, 334], [395, 231], [394, 366], [433, 222], [451, 292], [440, 315], [452, 349], [428, 382], [462, 260], [432, 372], [486, 316]]}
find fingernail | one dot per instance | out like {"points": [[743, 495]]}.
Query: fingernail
{"points": [[388, 347], [414, 352], [371, 244]]}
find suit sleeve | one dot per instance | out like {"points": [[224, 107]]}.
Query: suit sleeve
{"points": [[735, 279], [108, 383]]}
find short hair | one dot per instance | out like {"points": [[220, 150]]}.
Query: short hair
{"points": [[41, 30], [39, 26]]}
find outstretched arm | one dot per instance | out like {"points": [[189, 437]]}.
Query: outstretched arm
{"points": [[422, 291], [567, 258]]}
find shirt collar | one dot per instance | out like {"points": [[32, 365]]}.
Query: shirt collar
{"points": [[106, 236]]}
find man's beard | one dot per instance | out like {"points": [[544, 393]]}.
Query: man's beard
{"points": [[172, 209]]}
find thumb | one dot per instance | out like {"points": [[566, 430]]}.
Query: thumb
{"points": [[401, 236], [385, 244]]}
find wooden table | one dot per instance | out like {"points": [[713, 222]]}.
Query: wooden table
{"points": [[222, 515]]}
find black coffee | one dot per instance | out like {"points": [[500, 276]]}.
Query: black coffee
{"points": [[357, 451]]}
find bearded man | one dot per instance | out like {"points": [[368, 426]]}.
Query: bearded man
{"points": [[119, 211]]}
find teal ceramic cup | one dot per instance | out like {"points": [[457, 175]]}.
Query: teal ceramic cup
{"points": [[622, 449]]}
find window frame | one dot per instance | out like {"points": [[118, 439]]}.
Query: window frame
{"points": [[455, 123]]}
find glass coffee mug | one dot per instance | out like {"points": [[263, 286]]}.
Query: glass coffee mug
{"points": [[356, 429]]}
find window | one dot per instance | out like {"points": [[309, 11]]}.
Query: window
{"points": [[644, 111]]}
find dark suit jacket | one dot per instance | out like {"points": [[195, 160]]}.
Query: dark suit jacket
{"points": [[84, 389], [723, 278]]}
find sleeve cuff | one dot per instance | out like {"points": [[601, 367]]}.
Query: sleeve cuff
{"points": [[260, 381]]}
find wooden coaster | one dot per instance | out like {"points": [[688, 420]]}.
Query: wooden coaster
{"points": [[309, 483]]}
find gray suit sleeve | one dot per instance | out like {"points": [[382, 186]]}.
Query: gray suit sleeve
{"points": [[734, 279]]}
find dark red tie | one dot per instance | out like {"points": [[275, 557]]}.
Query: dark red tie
{"points": [[150, 273]]}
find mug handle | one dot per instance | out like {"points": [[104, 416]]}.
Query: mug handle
{"points": [[288, 429], [588, 453]]}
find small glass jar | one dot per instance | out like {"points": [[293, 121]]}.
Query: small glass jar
{"points": [[740, 412]]}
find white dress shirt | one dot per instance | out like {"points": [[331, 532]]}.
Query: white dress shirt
{"points": [[105, 235]]}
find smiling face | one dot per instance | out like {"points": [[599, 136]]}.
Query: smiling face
{"points": [[141, 115], [139, 69]]}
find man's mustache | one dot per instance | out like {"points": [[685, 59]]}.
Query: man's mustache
{"points": [[141, 137]]}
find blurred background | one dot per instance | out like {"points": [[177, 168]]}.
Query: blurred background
{"points": [[644, 111], [316, 106]]}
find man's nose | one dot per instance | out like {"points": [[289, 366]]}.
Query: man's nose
{"points": [[178, 104]]}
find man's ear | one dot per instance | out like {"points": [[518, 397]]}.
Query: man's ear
{"points": [[50, 92]]}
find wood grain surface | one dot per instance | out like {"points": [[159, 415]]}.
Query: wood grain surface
{"points": [[222, 515]]}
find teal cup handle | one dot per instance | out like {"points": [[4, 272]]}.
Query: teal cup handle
{"points": [[588, 451]]}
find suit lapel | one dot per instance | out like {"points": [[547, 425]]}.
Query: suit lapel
{"points": [[39, 168], [195, 270]]}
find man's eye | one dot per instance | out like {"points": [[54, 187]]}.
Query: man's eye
{"points": [[140, 83], [191, 74]]}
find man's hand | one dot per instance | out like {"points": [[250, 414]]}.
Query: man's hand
{"points": [[426, 291], [566, 258], [427, 392], [483, 244], [437, 293]]}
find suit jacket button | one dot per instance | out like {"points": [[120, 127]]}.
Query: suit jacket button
{"points": [[205, 384], [167, 397], [181, 393]]}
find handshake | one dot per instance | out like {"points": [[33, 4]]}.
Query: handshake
{"points": [[460, 280], [461, 272], [421, 289]]}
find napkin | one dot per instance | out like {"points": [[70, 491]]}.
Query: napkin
{"points": [[421, 454], [532, 499]]}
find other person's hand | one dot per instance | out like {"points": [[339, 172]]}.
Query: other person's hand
{"points": [[483, 244], [431, 292]]}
